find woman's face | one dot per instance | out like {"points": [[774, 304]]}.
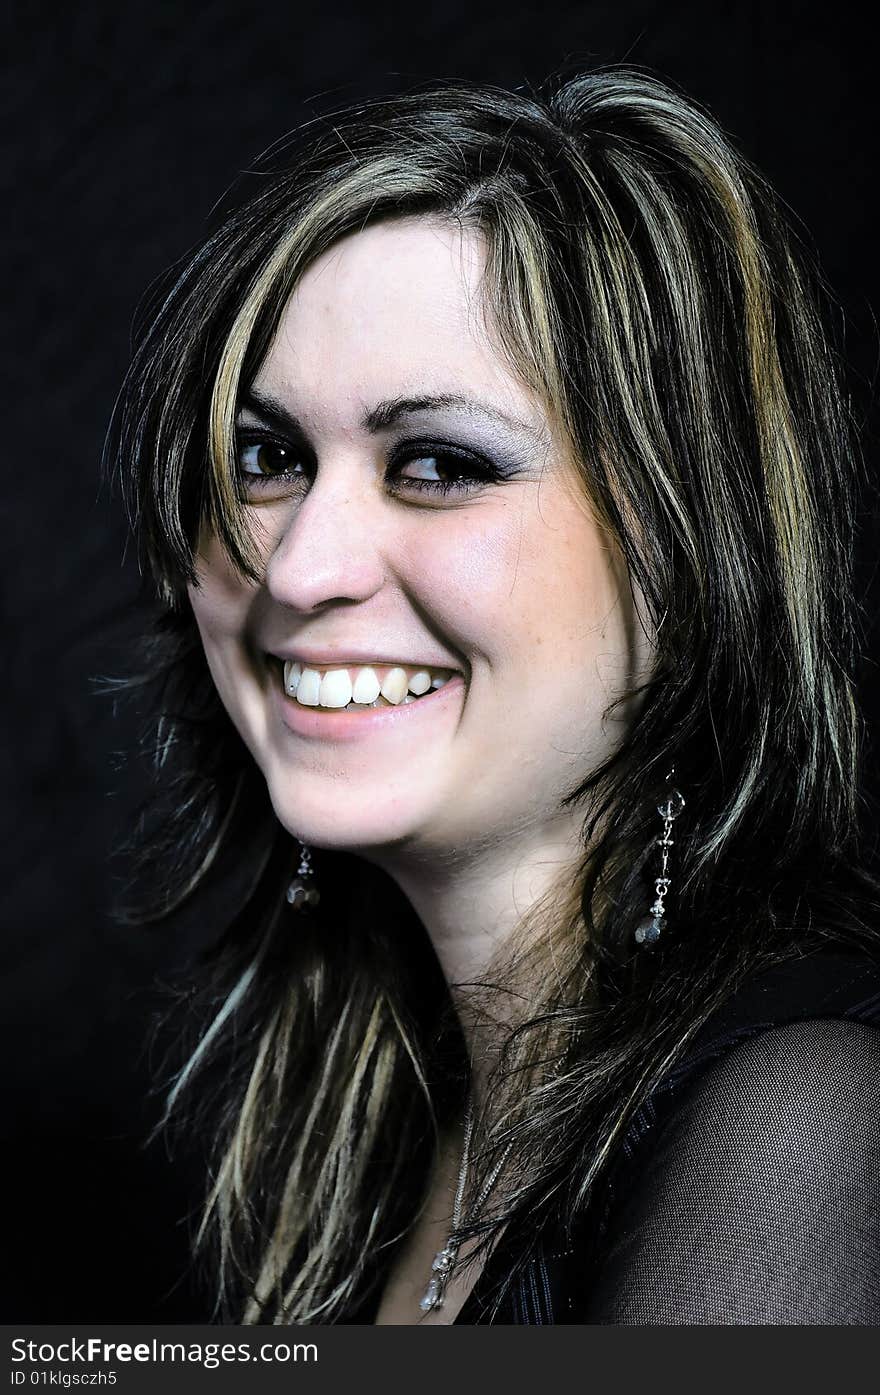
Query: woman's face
{"points": [[416, 510]]}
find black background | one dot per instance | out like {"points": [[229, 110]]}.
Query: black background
{"points": [[124, 123]]}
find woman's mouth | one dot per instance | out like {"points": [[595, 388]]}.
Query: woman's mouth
{"points": [[358, 686], [343, 702]]}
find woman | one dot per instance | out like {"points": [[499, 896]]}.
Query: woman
{"points": [[491, 464]]}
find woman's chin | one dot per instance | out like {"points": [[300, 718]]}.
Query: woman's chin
{"points": [[362, 830]]}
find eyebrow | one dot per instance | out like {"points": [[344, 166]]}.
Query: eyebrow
{"points": [[391, 411]]}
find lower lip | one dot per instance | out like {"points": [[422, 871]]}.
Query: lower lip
{"points": [[341, 724]]}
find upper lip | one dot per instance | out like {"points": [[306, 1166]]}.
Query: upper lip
{"points": [[324, 658]]}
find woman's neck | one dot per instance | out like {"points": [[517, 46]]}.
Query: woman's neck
{"points": [[472, 904]]}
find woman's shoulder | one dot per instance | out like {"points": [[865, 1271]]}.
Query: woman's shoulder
{"points": [[771, 1025], [752, 1190], [797, 1044], [786, 1105]]}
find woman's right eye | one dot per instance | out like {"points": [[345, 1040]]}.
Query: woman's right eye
{"points": [[266, 465]]}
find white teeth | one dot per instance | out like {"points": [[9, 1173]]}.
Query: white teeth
{"points": [[420, 682], [335, 688], [366, 687], [395, 685], [309, 690]]}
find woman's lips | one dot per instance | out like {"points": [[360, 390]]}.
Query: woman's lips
{"points": [[355, 724]]}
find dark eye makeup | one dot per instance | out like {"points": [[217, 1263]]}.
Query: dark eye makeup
{"points": [[271, 467]]}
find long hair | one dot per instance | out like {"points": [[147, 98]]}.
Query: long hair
{"points": [[642, 279]]}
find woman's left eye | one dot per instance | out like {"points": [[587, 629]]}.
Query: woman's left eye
{"points": [[440, 472]]}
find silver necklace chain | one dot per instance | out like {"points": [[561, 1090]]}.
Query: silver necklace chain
{"points": [[444, 1259]]}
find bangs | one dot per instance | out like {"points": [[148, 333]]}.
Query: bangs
{"points": [[248, 341]]}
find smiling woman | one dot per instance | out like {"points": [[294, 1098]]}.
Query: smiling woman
{"points": [[493, 471], [410, 540]]}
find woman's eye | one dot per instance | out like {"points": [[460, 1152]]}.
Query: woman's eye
{"points": [[267, 458], [269, 470], [439, 473]]}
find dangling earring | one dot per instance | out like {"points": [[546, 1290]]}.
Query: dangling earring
{"points": [[302, 892], [648, 930]]}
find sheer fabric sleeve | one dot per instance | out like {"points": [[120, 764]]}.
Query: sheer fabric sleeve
{"points": [[760, 1202]]}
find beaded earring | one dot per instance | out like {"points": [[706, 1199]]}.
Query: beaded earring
{"points": [[649, 929], [302, 891]]}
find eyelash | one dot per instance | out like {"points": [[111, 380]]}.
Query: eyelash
{"points": [[481, 471]]}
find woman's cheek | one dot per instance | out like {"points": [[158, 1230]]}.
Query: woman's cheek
{"points": [[458, 575], [222, 599]]}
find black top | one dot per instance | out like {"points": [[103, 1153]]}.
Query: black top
{"points": [[747, 1190]]}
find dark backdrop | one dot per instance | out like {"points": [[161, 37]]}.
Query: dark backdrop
{"points": [[125, 123]]}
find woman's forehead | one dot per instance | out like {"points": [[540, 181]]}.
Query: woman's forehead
{"points": [[393, 313]]}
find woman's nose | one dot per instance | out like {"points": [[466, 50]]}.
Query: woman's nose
{"points": [[329, 550]]}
